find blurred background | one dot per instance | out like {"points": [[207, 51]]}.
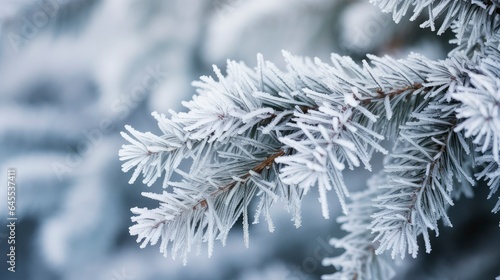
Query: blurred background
{"points": [[74, 72]]}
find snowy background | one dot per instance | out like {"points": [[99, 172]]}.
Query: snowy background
{"points": [[74, 72]]}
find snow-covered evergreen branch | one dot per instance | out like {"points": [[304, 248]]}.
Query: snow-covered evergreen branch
{"points": [[428, 160], [276, 134], [319, 127], [196, 212], [472, 19], [480, 115]]}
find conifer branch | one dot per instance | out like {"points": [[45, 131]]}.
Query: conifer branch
{"points": [[429, 159], [276, 134]]}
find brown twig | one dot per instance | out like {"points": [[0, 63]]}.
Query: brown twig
{"points": [[257, 169]]}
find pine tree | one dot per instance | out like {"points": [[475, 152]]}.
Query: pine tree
{"points": [[271, 135]]}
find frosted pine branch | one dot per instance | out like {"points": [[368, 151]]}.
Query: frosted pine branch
{"points": [[420, 184], [270, 134], [187, 217], [480, 120], [472, 18], [326, 119], [481, 112], [153, 155]]}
